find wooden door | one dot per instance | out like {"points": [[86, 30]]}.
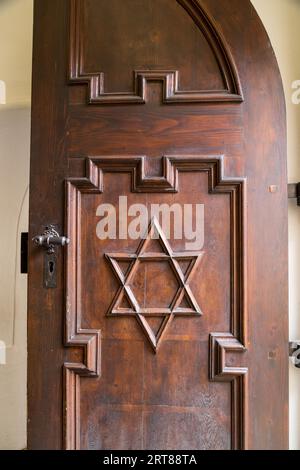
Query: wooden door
{"points": [[157, 340]]}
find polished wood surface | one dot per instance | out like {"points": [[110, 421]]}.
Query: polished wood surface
{"points": [[145, 344]]}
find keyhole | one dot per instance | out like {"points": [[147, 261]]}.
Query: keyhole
{"points": [[51, 267], [50, 271]]}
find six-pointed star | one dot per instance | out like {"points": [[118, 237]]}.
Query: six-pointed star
{"points": [[184, 302]]}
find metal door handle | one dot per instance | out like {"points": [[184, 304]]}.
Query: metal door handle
{"points": [[50, 238]]}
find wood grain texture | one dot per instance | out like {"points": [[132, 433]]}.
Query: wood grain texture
{"points": [[172, 308], [93, 376], [172, 93], [94, 183]]}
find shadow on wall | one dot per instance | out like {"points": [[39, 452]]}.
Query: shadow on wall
{"points": [[14, 161]]}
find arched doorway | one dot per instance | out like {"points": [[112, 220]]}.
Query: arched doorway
{"points": [[167, 103]]}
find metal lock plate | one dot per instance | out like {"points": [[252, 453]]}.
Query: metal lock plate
{"points": [[50, 270], [49, 241]]}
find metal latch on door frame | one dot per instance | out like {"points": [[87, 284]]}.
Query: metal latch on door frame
{"points": [[294, 353], [294, 192]]}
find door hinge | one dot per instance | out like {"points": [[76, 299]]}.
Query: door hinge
{"points": [[294, 192], [294, 353]]}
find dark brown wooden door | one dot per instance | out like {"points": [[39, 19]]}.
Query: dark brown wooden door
{"points": [[144, 335]]}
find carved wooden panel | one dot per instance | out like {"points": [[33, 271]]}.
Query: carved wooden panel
{"points": [[141, 370], [182, 302], [191, 59], [89, 318]]}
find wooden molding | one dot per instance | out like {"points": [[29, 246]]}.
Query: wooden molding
{"points": [[183, 290], [220, 344], [75, 336], [89, 340], [170, 78]]}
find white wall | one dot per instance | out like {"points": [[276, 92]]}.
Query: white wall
{"points": [[16, 18], [281, 19]]}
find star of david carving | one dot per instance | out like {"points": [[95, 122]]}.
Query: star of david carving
{"points": [[183, 303]]}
